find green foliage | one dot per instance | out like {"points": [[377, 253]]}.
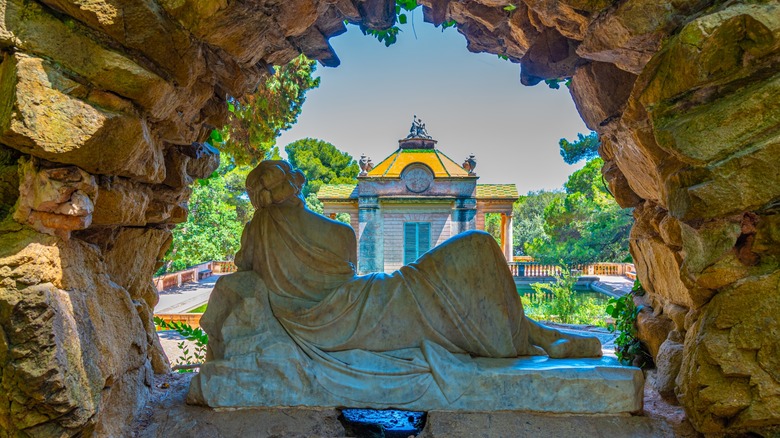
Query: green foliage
{"points": [[583, 148], [389, 36], [199, 309], [586, 225], [556, 83], [560, 302], [195, 335], [628, 348], [322, 163], [256, 120], [493, 225], [528, 218], [218, 210]]}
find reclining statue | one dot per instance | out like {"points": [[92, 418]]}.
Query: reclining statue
{"points": [[297, 326]]}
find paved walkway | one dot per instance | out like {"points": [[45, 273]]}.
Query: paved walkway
{"points": [[615, 286], [186, 297]]}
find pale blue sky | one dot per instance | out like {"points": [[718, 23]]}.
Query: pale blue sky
{"points": [[470, 103]]}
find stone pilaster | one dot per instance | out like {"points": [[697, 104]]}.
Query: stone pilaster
{"points": [[464, 215], [370, 243]]}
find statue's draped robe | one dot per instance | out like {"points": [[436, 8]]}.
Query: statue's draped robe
{"points": [[387, 335]]}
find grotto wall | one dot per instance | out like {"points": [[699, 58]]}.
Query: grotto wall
{"points": [[105, 106]]}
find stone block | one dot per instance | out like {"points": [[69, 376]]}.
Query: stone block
{"points": [[630, 34], [729, 378], [35, 95], [668, 362], [183, 164], [121, 202], [142, 26], [55, 200], [589, 91], [167, 414], [29, 27], [71, 338]]}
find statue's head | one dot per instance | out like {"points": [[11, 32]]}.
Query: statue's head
{"points": [[274, 182]]}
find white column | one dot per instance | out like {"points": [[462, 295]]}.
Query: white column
{"points": [[507, 236]]}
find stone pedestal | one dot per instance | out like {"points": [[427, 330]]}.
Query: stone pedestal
{"points": [[532, 384], [168, 415]]}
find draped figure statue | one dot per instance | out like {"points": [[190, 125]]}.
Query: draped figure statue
{"points": [[374, 340]]}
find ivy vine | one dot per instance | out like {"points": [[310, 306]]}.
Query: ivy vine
{"points": [[628, 347]]}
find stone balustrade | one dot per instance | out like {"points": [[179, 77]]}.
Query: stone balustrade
{"points": [[190, 275], [534, 269]]}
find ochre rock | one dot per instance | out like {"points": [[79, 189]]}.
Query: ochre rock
{"points": [[730, 374], [55, 200], [668, 362], [47, 115], [71, 340]]}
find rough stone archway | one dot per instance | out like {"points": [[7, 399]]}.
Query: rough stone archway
{"points": [[103, 104]]}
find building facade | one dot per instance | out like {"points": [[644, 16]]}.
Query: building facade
{"points": [[415, 199]]}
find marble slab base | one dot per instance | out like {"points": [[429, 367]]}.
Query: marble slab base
{"points": [[530, 384], [167, 415]]}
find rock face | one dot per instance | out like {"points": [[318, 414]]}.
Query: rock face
{"points": [[104, 106]]}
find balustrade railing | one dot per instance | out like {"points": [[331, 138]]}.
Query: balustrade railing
{"points": [[534, 269], [222, 267], [189, 275]]}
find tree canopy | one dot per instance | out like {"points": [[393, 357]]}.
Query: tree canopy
{"points": [[528, 218], [217, 213], [585, 147], [584, 226], [321, 163], [256, 120]]}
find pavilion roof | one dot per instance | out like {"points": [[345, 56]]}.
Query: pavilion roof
{"points": [[336, 192], [441, 165], [497, 191]]}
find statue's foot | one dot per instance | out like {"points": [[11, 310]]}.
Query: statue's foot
{"points": [[574, 347]]}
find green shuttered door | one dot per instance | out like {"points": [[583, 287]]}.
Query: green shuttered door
{"points": [[417, 240]]}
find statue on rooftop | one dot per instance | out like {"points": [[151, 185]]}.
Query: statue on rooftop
{"points": [[299, 324], [366, 165], [418, 129], [470, 164]]}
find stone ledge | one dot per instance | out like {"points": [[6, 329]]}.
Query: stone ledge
{"points": [[530, 384], [168, 415]]}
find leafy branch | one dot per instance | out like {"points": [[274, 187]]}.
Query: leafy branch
{"points": [[188, 360], [628, 347]]}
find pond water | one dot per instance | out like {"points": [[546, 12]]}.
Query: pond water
{"points": [[581, 295], [586, 306]]}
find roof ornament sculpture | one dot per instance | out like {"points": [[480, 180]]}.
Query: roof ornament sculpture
{"points": [[470, 164], [366, 165], [418, 129]]}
